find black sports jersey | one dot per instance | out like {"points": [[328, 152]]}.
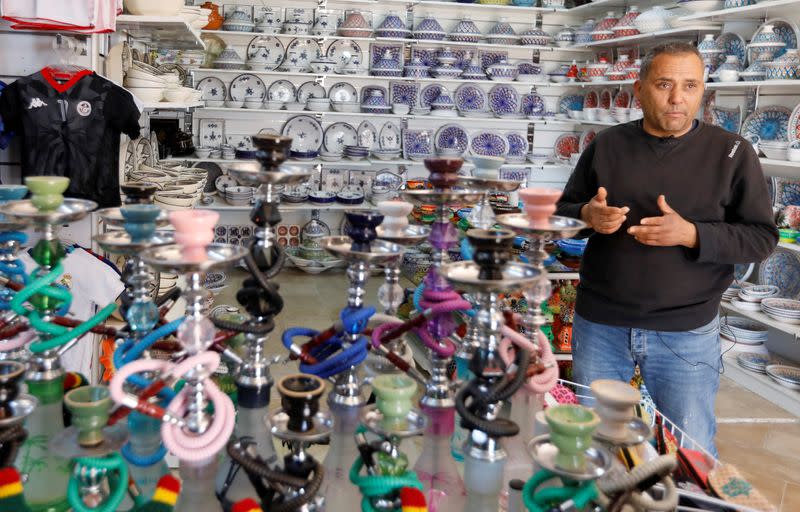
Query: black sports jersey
{"points": [[72, 129]]}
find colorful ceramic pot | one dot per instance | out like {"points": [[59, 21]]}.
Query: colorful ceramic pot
{"points": [[393, 397], [215, 19], [47, 191], [90, 407], [194, 230], [571, 429]]}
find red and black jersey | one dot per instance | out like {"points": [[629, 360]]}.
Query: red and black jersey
{"points": [[72, 129]]}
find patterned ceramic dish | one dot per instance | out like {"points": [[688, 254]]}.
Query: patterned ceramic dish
{"points": [[489, 143], [785, 375], [782, 269]]}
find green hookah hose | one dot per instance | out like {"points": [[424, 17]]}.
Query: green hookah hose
{"points": [[60, 334], [118, 484], [375, 486], [581, 493]]}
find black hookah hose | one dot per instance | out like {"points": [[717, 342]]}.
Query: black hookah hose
{"points": [[10, 441], [501, 390]]}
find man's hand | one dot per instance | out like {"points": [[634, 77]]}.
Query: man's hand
{"points": [[668, 230], [601, 217]]}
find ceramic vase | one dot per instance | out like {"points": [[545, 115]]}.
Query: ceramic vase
{"points": [[194, 230], [615, 402], [571, 429], [47, 191], [395, 216], [215, 19], [393, 397], [90, 407], [540, 203]]}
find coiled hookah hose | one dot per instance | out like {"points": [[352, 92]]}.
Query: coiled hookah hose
{"points": [[545, 374], [578, 494], [625, 491], [93, 470]]}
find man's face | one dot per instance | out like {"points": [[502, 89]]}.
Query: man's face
{"points": [[671, 94]]}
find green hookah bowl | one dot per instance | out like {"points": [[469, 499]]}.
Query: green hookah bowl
{"points": [[571, 429], [393, 397], [90, 407], [47, 192]]}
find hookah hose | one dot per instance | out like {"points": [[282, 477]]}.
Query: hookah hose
{"points": [[60, 334], [640, 478], [10, 441], [501, 390], [117, 472], [581, 494], [256, 468], [328, 361], [543, 381]]}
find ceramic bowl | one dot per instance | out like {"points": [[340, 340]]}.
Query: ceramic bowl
{"points": [[793, 154], [215, 103], [147, 94], [539, 156], [234, 104], [400, 109], [576, 114], [273, 104], [728, 75], [154, 7], [352, 107], [295, 106]]}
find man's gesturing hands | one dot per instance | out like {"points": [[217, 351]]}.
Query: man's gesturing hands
{"points": [[601, 217], [668, 230]]}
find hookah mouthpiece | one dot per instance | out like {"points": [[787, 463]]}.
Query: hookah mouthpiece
{"points": [[492, 251], [362, 228]]}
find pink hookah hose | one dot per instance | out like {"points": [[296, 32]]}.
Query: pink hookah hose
{"points": [[187, 447], [17, 341], [541, 382]]}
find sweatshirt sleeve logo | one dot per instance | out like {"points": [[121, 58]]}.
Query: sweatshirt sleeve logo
{"points": [[735, 148]]}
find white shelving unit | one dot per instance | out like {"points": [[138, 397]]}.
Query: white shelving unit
{"points": [[172, 31], [168, 105], [780, 168], [698, 29], [760, 317], [758, 11], [762, 385]]}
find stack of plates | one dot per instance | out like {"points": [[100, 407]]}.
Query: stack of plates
{"points": [[239, 196], [731, 293], [757, 293], [785, 375], [753, 362], [742, 330], [356, 152], [782, 310]]}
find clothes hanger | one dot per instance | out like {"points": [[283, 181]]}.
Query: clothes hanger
{"points": [[65, 49]]}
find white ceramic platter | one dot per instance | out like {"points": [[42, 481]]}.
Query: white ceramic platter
{"points": [[281, 90], [212, 88], [266, 51], [247, 86], [310, 90], [343, 92], [305, 131], [341, 51]]}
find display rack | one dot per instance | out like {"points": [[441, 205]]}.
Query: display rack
{"points": [[757, 11], [762, 385], [172, 31], [652, 37]]}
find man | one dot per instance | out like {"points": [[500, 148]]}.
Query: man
{"points": [[673, 204]]}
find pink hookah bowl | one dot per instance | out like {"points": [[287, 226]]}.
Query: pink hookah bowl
{"points": [[540, 203], [194, 230]]}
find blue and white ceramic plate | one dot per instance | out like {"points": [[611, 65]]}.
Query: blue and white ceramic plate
{"points": [[281, 90], [782, 269], [503, 100], [489, 57], [793, 130], [244, 142], [404, 92], [211, 132], [786, 30], [533, 105], [367, 135], [567, 102], [733, 44], [471, 98], [517, 146], [247, 86], [343, 91], [310, 89], [742, 271], [306, 133], [342, 50], [768, 123], [339, 135], [417, 144], [389, 138], [728, 118], [488, 143], [267, 50], [787, 192], [212, 88], [586, 138], [451, 139], [429, 94], [301, 51]]}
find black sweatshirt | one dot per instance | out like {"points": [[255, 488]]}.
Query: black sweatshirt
{"points": [[710, 177]]}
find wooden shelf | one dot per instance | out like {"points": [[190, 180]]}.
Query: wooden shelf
{"points": [[688, 31], [758, 11], [168, 31]]}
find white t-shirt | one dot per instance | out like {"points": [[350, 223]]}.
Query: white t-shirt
{"points": [[93, 285]]}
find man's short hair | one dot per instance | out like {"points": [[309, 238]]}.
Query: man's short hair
{"points": [[668, 48]]}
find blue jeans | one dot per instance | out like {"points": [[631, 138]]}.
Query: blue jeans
{"points": [[680, 369]]}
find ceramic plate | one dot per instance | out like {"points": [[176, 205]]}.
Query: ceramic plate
{"points": [[225, 181], [622, 99], [769, 123], [591, 100], [517, 146], [567, 102], [488, 143], [339, 135], [211, 132], [727, 118], [785, 374], [566, 145], [268, 51], [244, 142], [786, 30], [417, 144], [605, 99], [742, 271], [586, 138], [786, 191], [247, 86], [212, 88], [426, 55], [343, 92], [389, 136], [341, 51], [213, 171], [471, 98], [451, 139], [782, 269], [302, 51], [310, 89], [367, 135], [733, 44], [532, 105], [794, 124], [404, 92], [282, 90], [503, 100], [305, 131], [429, 94]]}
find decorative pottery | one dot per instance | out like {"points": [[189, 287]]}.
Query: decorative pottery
{"points": [[90, 407], [393, 398], [565, 37], [47, 191], [652, 20], [615, 401], [571, 429], [194, 230], [215, 19], [540, 203]]}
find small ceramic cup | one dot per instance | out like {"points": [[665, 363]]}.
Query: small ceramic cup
{"points": [[393, 397], [90, 407], [571, 429], [140, 220], [47, 191], [194, 230]]}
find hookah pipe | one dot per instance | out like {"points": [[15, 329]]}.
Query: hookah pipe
{"points": [[626, 492], [301, 423]]}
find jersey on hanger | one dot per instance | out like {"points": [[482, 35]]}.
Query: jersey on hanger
{"points": [[72, 129]]}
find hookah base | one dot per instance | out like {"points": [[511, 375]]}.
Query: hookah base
{"points": [[61, 505]]}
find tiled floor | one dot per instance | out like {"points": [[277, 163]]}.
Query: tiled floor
{"points": [[761, 439]]}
